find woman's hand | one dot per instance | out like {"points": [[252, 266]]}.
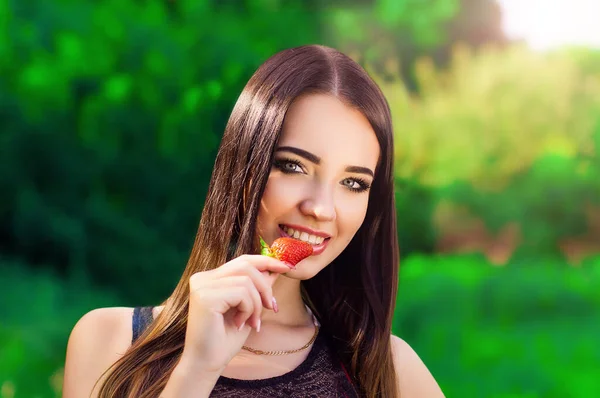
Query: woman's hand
{"points": [[225, 303]]}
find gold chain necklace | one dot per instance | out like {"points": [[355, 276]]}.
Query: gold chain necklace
{"points": [[304, 347]]}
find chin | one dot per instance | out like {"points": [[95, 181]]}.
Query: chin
{"points": [[305, 270]]}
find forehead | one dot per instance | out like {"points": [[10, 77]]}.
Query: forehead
{"points": [[330, 129]]}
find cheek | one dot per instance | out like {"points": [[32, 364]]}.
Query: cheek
{"points": [[351, 215], [278, 196]]}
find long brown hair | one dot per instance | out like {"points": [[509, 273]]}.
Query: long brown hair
{"points": [[354, 296]]}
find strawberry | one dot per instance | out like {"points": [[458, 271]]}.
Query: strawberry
{"points": [[288, 250]]}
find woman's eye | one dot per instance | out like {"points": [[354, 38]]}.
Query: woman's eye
{"points": [[356, 184], [288, 166], [293, 167], [351, 184]]}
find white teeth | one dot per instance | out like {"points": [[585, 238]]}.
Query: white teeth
{"points": [[303, 236]]}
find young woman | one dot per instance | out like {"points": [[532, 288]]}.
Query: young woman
{"points": [[307, 153]]}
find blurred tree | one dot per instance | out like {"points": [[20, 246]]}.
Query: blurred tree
{"points": [[380, 31], [415, 206], [489, 134], [111, 114]]}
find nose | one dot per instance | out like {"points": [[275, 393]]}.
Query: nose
{"points": [[319, 204]]}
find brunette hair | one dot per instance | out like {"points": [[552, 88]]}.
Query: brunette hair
{"points": [[354, 296]]}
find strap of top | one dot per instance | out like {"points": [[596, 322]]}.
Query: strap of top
{"points": [[142, 318]]}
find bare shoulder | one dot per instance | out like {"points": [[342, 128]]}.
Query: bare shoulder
{"points": [[96, 342], [414, 379]]}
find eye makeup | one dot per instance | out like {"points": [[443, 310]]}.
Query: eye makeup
{"points": [[283, 165]]}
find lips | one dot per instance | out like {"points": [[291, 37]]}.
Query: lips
{"points": [[317, 249]]}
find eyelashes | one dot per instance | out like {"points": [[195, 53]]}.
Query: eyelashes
{"points": [[364, 185], [283, 164]]}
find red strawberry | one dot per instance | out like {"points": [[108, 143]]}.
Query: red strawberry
{"points": [[288, 250]]}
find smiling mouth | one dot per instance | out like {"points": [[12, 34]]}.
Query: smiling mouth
{"points": [[314, 240]]}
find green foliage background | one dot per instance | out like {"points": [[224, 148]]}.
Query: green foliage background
{"points": [[111, 113]]}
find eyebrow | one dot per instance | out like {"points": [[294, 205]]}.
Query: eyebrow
{"points": [[317, 160]]}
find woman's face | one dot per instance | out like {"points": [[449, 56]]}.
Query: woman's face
{"points": [[318, 187]]}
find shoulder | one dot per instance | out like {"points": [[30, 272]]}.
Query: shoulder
{"points": [[414, 379], [97, 341]]}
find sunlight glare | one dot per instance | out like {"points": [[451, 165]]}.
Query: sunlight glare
{"points": [[548, 24]]}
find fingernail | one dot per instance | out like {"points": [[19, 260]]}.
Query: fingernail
{"points": [[258, 327], [275, 308], [289, 265], [241, 326]]}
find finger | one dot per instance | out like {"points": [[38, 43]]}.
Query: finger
{"points": [[268, 295], [264, 263], [263, 284], [242, 302], [223, 298], [245, 281], [254, 320], [260, 281], [262, 274]]}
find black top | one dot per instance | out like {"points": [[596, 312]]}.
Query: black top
{"points": [[320, 375]]}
